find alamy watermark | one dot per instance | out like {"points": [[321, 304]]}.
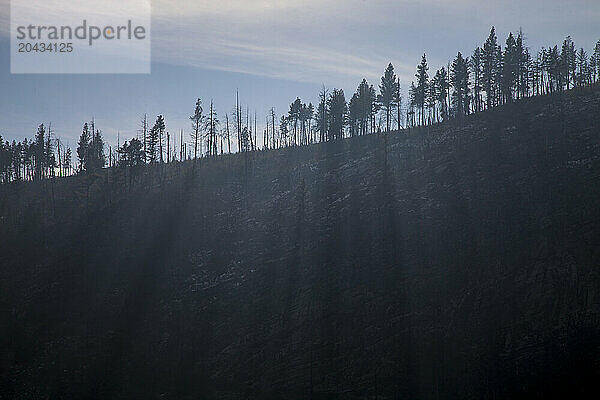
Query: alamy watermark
{"points": [[85, 36]]}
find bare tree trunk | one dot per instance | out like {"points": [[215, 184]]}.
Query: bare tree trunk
{"points": [[227, 129], [238, 121]]}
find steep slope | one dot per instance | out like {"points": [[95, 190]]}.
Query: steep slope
{"points": [[453, 261]]}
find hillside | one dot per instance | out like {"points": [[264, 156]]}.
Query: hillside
{"points": [[458, 260]]}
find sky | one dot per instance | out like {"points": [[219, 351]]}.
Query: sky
{"points": [[272, 52]]}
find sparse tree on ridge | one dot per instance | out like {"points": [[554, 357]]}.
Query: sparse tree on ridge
{"points": [[422, 87], [440, 81], [509, 68], [489, 70], [196, 119], [322, 114], [83, 147], [387, 94], [459, 78], [582, 76], [160, 127], [568, 62], [153, 138], [476, 66], [337, 110]]}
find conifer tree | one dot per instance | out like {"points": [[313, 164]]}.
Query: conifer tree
{"points": [[459, 78], [96, 156], [39, 152], [322, 122], [67, 161], [489, 70], [441, 89], [153, 144], [284, 131], [196, 119], [337, 110], [568, 63], [476, 65], [596, 57], [160, 127], [422, 87], [387, 94], [582, 77]]}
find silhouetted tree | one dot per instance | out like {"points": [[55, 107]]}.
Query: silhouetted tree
{"points": [[337, 111], [459, 78], [490, 65], [387, 94], [596, 62], [555, 70], [294, 116], [160, 127], [131, 154], [144, 133], [524, 66], [211, 129], [322, 122], [96, 156], [568, 63], [583, 75], [153, 144], [67, 162], [509, 68], [196, 119], [476, 66], [422, 87], [440, 82], [284, 131], [39, 152]]}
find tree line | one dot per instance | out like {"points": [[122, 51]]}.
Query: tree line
{"points": [[491, 76], [42, 157]]}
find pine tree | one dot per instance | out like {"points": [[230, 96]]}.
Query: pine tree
{"points": [[49, 158], [568, 63], [440, 83], [284, 131], [582, 77], [422, 87], [67, 161], [555, 69], [387, 93], [412, 94], [310, 114], [337, 110], [294, 117], [597, 62], [489, 70], [144, 133], [96, 156], [476, 69], [196, 119], [360, 108], [211, 128], [353, 114], [39, 152], [509, 68], [322, 122], [160, 126], [4, 162], [459, 78]]}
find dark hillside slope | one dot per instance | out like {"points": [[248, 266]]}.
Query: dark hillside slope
{"points": [[454, 261]]}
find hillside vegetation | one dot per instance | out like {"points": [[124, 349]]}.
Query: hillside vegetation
{"points": [[457, 260]]}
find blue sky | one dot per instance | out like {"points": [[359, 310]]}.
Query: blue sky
{"points": [[273, 51]]}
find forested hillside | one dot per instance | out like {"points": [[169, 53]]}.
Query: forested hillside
{"points": [[454, 260]]}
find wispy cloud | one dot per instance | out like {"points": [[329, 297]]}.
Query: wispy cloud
{"points": [[316, 40]]}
